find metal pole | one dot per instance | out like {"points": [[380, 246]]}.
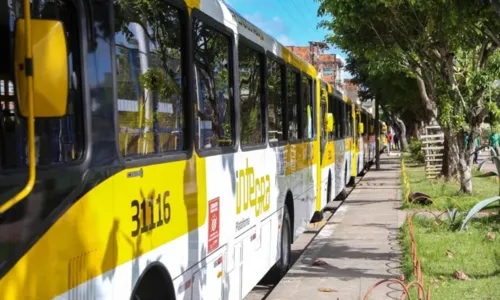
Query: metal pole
{"points": [[377, 134]]}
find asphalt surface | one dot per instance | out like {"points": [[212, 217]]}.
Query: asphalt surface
{"points": [[260, 291]]}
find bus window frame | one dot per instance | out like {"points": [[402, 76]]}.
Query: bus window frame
{"points": [[339, 116], [263, 95], [304, 106], [349, 119], [284, 108], [14, 175], [234, 85], [330, 108], [135, 161], [298, 87]]}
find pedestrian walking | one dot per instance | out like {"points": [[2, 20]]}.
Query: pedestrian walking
{"points": [[476, 150], [389, 142], [396, 141], [494, 141]]}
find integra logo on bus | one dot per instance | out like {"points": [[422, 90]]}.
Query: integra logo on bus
{"points": [[252, 191]]}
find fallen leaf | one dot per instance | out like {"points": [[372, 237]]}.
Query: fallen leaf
{"points": [[461, 275], [326, 290], [435, 223], [442, 277], [490, 236], [319, 262], [449, 254], [402, 277]]}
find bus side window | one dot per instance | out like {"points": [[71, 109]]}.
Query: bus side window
{"points": [[58, 140], [332, 109], [339, 117], [149, 83], [251, 90], [293, 102], [276, 100], [308, 107], [213, 108]]}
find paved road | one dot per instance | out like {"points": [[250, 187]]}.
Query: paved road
{"points": [[261, 292], [356, 248]]}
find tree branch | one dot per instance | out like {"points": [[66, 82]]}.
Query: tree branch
{"points": [[428, 103], [490, 34]]}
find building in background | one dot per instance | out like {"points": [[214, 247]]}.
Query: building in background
{"points": [[326, 64]]}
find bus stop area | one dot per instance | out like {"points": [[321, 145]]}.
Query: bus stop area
{"points": [[357, 247]]}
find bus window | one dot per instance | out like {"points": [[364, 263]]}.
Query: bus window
{"points": [[275, 100], [349, 119], [150, 94], [322, 126], [332, 109], [58, 140], [250, 67], [339, 115], [293, 105], [213, 108], [307, 108]]}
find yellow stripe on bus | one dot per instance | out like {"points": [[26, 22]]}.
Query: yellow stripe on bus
{"points": [[106, 228]]}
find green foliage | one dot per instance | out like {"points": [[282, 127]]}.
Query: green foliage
{"points": [[415, 146], [449, 47], [442, 251]]}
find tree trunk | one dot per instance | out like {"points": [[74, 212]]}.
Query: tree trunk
{"points": [[416, 130], [466, 156], [450, 155], [465, 169], [402, 134]]}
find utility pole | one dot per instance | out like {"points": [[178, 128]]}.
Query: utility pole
{"points": [[377, 133]]}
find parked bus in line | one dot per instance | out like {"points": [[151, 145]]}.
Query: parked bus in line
{"points": [[157, 150]]}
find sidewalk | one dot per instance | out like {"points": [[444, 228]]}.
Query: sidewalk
{"points": [[358, 244]]}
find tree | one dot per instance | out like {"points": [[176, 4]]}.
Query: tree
{"points": [[399, 96], [450, 47]]}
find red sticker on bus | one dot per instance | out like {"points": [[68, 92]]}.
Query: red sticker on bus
{"points": [[213, 224]]}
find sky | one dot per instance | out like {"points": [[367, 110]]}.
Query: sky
{"points": [[291, 22]]}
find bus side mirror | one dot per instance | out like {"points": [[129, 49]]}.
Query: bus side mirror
{"points": [[329, 122], [361, 128], [49, 67]]}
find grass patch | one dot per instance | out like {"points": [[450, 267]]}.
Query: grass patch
{"points": [[472, 252], [446, 194]]}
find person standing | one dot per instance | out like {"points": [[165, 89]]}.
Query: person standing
{"points": [[476, 150], [494, 141]]}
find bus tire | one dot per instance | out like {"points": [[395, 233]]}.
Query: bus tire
{"points": [[283, 264], [154, 284]]}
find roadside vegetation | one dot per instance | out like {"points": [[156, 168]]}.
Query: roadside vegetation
{"points": [[445, 194], [455, 265]]}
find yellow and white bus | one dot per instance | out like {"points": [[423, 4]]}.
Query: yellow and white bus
{"points": [[156, 150]]}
